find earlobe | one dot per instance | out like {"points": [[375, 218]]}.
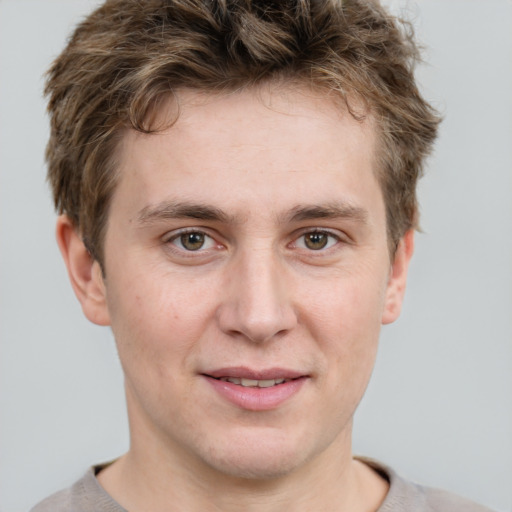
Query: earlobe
{"points": [[84, 272], [398, 278]]}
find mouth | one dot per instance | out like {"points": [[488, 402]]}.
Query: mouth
{"points": [[256, 390], [247, 377], [255, 383]]}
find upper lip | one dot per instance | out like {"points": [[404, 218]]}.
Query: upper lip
{"points": [[242, 372]]}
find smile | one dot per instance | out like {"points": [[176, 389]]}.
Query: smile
{"points": [[255, 390], [253, 383]]}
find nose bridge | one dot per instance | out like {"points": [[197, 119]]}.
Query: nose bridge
{"points": [[257, 303]]}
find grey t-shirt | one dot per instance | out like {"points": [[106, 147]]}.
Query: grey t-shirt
{"points": [[87, 495]]}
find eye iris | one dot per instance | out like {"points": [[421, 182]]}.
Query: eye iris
{"points": [[192, 241], [316, 241]]}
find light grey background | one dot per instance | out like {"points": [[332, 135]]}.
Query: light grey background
{"points": [[439, 407]]}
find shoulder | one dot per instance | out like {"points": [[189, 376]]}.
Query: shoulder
{"points": [[85, 495], [440, 500], [404, 496], [59, 502]]}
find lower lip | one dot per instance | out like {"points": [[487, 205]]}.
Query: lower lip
{"points": [[256, 399]]}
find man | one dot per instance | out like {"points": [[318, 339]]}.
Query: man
{"points": [[237, 189]]}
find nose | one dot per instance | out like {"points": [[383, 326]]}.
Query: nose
{"points": [[256, 301]]}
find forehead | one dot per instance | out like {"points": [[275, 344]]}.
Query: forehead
{"points": [[278, 142], [258, 112]]}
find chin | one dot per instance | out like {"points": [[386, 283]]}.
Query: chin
{"points": [[255, 468], [257, 459]]}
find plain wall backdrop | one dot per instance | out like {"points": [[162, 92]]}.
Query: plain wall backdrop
{"points": [[439, 406]]}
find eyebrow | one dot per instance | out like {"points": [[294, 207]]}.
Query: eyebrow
{"points": [[333, 210], [169, 210]]}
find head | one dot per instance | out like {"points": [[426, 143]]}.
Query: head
{"points": [[128, 58], [238, 183]]}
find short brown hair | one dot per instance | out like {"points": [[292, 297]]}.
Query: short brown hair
{"points": [[128, 55]]}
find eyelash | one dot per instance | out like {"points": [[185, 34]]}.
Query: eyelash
{"points": [[175, 240], [176, 237], [332, 240]]}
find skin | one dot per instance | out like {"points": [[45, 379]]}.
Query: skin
{"points": [[269, 171]]}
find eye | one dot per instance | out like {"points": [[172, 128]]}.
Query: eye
{"points": [[316, 240], [193, 241]]}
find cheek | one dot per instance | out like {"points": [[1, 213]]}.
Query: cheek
{"points": [[346, 323], [350, 306], [153, 316]]}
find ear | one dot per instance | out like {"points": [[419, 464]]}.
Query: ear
{"points": [[397, 278], [84, 272]]}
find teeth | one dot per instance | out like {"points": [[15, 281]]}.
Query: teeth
{"points": [[233, 380], [249, 383], [252, 383], [266, 383]]}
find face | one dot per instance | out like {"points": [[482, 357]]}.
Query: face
{"points": [[247, 277]]}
